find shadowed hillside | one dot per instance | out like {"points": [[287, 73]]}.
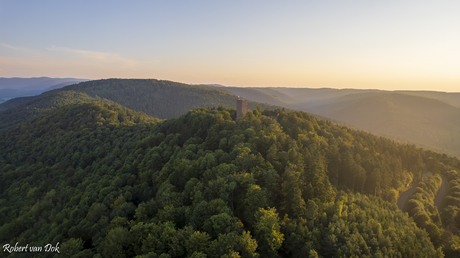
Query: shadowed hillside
{"points": [[257, 95], [452, 98], [279, 94], [161, 99], [416, 119], [20, 109]]}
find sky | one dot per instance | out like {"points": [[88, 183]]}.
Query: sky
{"points": [[390, 45]]}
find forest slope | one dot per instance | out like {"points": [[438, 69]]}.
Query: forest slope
{"points": [[426, 121], [20, 109], [162, 99], [100, 178], [257, 95]]}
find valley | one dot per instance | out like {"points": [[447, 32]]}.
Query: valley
{"points": [[427, 119]]}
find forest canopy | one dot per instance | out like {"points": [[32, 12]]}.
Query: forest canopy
{"points": [[107, 181]]}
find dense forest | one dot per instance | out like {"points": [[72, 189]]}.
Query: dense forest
{"points": [[157, 98], [106, 181], [20, 109]]}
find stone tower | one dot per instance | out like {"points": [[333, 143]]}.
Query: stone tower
{"points": [[241, 108]]}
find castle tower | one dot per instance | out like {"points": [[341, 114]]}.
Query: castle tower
{"points": [[241, 108]]}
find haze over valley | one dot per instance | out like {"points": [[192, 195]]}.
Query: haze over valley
{"points": [[428, 119]]}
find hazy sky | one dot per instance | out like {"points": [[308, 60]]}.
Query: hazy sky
{"points": [[339, 44]]}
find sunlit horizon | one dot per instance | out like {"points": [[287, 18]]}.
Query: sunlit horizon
{"points": [[340, 44]]}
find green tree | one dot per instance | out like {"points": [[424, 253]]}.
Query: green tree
{"points": [[267, 232], [198, 242], [312, 211], [293, 203], [115, 243]]}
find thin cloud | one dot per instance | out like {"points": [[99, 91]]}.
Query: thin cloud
{"points": [[63, 61], [15, 50], [94, 55], [13, 47]]}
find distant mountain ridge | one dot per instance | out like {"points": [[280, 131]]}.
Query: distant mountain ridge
{"points": [[35, 83], [20, 87], [429, 119]]}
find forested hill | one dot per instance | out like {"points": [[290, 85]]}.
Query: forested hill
{"points": [[101, 179], [20, 109], [161, 99]]}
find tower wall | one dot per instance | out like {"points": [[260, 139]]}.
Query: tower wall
{"points": [[242, 108]]}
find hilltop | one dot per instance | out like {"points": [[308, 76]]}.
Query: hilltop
{"points": [[161, 99]]}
